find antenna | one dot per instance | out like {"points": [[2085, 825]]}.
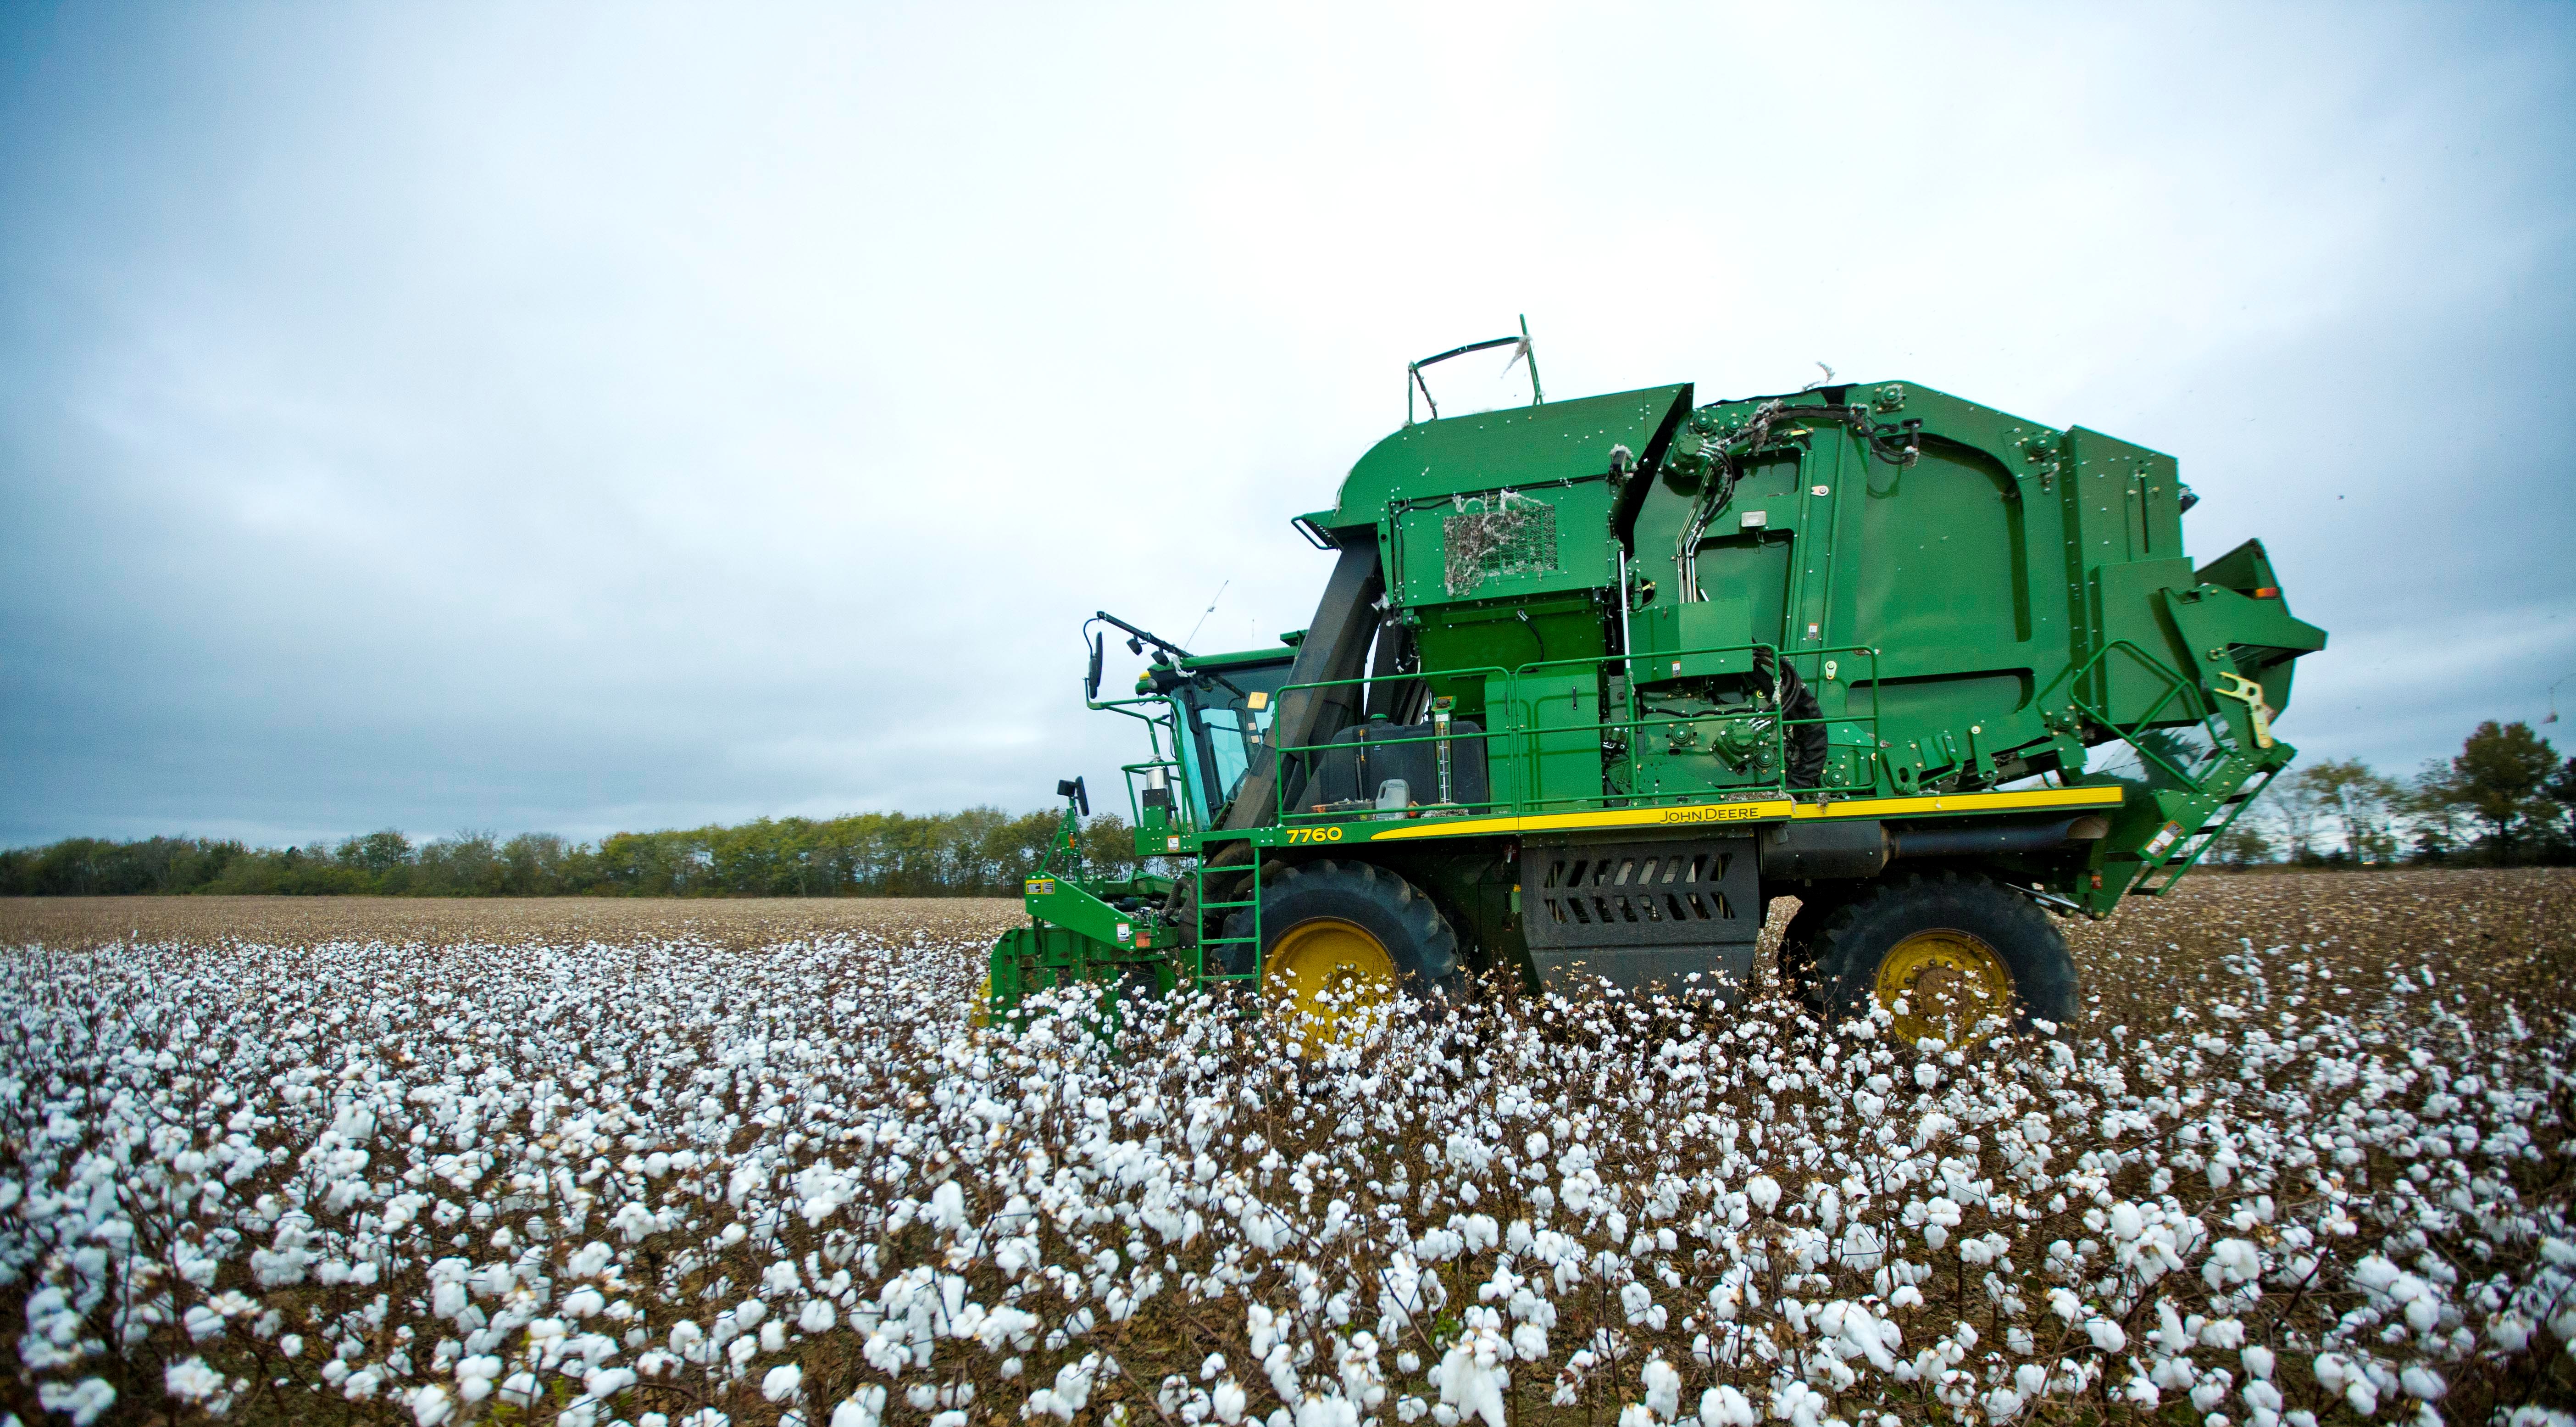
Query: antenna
{"points": [[1193, 636], [2553, 700]]}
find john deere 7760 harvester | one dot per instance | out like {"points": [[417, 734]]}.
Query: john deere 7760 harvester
{"points": [[1592, 682]]}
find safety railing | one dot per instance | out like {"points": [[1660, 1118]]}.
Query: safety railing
{"points": [[1518, 744], [2217, 790]]}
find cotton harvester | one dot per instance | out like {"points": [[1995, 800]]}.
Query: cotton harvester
{"points": [[1592, 682]]}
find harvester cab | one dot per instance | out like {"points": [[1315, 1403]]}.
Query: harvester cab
{"points": [[1591, 683]]}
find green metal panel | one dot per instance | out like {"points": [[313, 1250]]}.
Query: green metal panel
{"points": [[1548, 754], [2127, 611], [1528, 446]]}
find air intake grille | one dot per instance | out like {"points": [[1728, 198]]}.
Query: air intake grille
{"points": [[1488, 537], [1640, 893]]}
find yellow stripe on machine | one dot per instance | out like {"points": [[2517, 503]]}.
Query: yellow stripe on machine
{"points": [[1762, 810], [1966, 803]]}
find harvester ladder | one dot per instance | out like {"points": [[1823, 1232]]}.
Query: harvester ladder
{"points": [[2159, 876], [1207, 944]]}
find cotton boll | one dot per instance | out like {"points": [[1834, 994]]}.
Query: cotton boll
{"points": [[1724, 1406], [782, 1383], [1663, 1390], [192, 1380], [431, 1406], [2422, 1382], [864, 1408]]}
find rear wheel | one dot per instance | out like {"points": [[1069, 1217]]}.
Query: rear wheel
{"points": [[1954, 956], [1341, 940]]}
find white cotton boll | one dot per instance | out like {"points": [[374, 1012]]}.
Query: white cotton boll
{"points": [[1726, 1407], [815, 1317], [1663, 1389], [1325, 1409], [773, 1336], [1928, 1075], [865, 1408], [2363, 1395], [782, 1383], [1535, 1146], [2258, 1361], [192, 1380], [82, 1401], [1636, 1415], [583, 1302], [431, 1406], [1228, 1400], [1214, 1364], [2108, 1336], [2422, 1382], [1764, 1191], [2126, 1222], [948, 1206], [519, 1389]]}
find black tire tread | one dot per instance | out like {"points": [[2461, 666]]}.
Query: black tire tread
{"points": [[1852, 938], [1428, 959]]}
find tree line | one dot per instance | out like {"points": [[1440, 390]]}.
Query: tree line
{"points": [[981, 852], [2505, 799]]}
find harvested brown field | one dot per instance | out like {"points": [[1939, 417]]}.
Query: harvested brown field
{"points": [[449, 921], [2305, 1159]]}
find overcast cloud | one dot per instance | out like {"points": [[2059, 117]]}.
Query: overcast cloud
{"points": [[579, 418]]}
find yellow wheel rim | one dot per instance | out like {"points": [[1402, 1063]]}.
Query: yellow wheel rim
{"points": [[1336, 977], [1947, 984], [982, 1014]]}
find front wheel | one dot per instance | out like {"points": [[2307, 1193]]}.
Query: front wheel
{"points": [[1953, 956], [1341, 940]]}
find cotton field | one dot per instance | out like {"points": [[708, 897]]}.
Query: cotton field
{"points": [[2305, 1160]]}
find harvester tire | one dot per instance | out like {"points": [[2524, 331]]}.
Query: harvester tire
{"points": [[1402, 919], [1956, 929], [1798, 947]]}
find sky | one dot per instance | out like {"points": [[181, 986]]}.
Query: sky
{"points": [[577, 418]]}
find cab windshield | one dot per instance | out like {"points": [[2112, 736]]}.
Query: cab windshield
{"points": [[1226, 729]]}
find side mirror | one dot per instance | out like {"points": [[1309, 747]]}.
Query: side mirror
{"points": [[1091, 680], [1072, 788]]}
